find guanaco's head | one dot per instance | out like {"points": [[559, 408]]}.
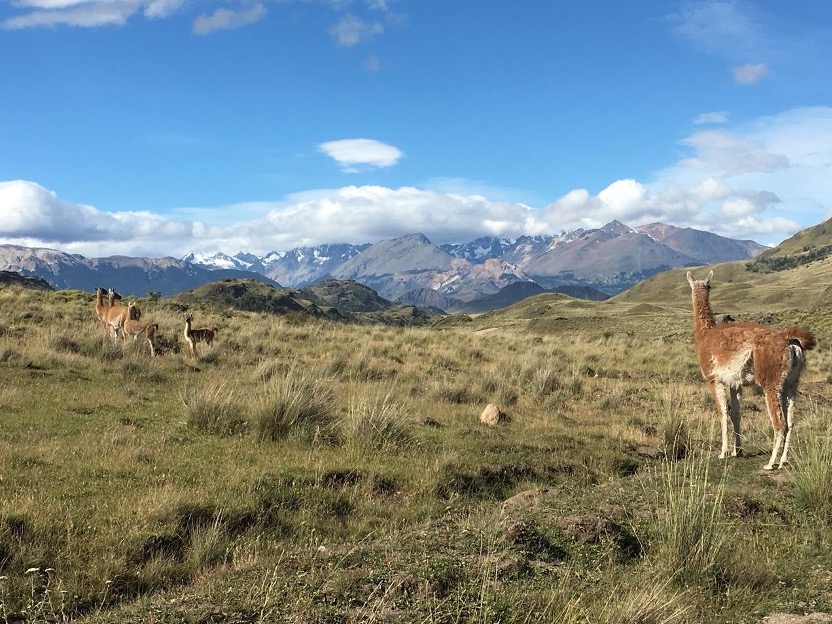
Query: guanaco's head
{"points": [[704, 284], [112, 295], [133, 311]]}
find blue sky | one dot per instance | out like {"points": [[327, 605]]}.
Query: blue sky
{"points": [[157, 127]]}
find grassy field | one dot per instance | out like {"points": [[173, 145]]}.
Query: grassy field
{"points": [[308, 471]]}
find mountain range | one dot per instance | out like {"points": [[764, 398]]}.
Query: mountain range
{"points": [[591, 264], [131, 276], [602, 262]]}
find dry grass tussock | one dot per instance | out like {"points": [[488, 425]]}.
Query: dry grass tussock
{"points": [[297, 406], [324, 472], [379, 423]]}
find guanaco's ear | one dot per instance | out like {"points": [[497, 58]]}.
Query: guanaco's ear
{"points": [[690, 279], [708, 279]]}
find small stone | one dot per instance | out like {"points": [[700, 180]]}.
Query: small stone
{"points": [[492, 415]]}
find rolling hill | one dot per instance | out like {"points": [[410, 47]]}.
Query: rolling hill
{"points": [[514, 293], [331, 300], [13, 278]]}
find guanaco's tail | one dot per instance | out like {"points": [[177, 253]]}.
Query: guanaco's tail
{"points": [[805, 338]]}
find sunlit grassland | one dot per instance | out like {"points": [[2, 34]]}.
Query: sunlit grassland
{"points": [[316, 472]]}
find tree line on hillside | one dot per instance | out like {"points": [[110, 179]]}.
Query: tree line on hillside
{"points": [[783, 263]]}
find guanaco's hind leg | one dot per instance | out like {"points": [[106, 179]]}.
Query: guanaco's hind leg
{"points": [[775, 412], [788, 411], [787, 396], [735, 421]]}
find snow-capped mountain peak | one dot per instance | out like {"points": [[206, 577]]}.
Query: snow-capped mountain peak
{"points": [[214, 261]]}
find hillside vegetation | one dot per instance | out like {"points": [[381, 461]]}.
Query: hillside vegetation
{"points": [[795, 296], [809, 245], [12, 278], [321, 471], [343, 301]]}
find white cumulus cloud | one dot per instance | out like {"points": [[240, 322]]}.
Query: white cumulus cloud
{"points": [[33, 215], [624, 198]]}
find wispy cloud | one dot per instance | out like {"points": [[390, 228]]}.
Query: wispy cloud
{"points": [[179, 140], [736, 31], [77, 13], [749, 74], [371, 63], [784, 156], [87, 13], [725, 27], [350, 30], [227, 19], [354, 155], [732, 154], [160, 9], [712, 118]]}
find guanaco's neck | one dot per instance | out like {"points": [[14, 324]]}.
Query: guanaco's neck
{"points": [[703, 316]]}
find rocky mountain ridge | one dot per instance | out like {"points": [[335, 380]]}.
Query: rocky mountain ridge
{"points": [[608, 259], [597, 263], [133, 276]]}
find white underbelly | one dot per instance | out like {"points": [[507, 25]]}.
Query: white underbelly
{"points": [[736, 371]]}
